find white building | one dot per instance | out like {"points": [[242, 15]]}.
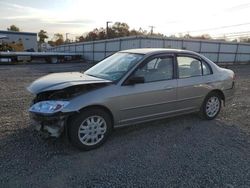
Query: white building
{"points": [[29, 40]]}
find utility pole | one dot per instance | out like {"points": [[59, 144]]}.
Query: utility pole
{"points": [[107, 29], [67, 37], [152, 29]]}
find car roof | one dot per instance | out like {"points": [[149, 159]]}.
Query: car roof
{"points": [[150, 51]]}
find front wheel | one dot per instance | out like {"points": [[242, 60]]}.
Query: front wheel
{"points": [[211, 106], [90, 129]]}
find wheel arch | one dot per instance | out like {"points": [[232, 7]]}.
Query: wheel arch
{"points": [[70, 129], [104, 108], [220, 93]]}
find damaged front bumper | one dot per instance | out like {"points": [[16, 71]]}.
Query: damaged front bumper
{"points": [[50, 125]]}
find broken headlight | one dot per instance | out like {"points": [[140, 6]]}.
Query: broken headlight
{"points": [[48, 107]]}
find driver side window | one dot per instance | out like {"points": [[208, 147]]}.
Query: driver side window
{"points": [[157, 69]]}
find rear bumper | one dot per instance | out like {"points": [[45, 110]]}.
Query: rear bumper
{"points": [[51, 126]]}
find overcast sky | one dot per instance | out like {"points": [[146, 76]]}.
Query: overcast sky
{"points": [[169, 17]]}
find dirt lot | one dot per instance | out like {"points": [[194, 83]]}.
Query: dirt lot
{"points": [[176, 152]]}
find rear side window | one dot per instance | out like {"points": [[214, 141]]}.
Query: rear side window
{"points": [[189, 67]]}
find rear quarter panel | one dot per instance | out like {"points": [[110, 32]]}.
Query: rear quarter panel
{"points": [[221, 79]]}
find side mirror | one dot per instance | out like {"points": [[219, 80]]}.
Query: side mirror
{"points": [[135, 80]]}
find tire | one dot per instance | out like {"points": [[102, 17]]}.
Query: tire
{"points": [[89, 129], [211, 106]]}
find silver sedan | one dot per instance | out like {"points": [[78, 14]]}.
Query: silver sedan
{"points": [[129, 87]]}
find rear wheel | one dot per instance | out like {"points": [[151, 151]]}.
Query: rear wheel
{"points": [[90, 129], [211, 106]]}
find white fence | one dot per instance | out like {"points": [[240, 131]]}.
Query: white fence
{"points": [[219, 52]]}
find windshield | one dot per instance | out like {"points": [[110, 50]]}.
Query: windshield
{"points": [[115, 66]]}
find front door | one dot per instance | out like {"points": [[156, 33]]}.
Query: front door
{"points": [[155, 97]]}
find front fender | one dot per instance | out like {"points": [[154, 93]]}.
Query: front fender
{"points": [[105, 97]]}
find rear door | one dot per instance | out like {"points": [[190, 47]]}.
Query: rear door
{"points": [[191, 88], [155, 97]]}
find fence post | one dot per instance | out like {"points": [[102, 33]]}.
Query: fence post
{"points": [[120, 44], [236, 52], [83, 49], [218, 54], [200, 47], [105, 48], [140, 41], [93, 51]]}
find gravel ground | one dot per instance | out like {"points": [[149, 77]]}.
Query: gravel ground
{"points": [[177, 152]]}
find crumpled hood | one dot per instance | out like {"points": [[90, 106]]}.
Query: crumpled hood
{"points": [[58, 81]]}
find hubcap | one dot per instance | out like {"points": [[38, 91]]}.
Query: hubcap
{"points": [[92, 130], [212, 106]]}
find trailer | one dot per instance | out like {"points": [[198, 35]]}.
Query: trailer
{"points": [[50, 57]]}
